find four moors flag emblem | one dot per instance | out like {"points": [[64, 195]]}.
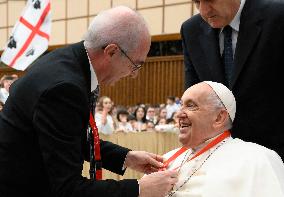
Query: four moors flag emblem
{"points": [[30, 35]]}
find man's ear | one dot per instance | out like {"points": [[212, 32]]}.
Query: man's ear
{"points": [[221, 118], [110, 49]]}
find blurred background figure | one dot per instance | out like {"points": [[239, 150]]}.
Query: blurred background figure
{"points": [[132, 120], [103, 116], [150, 126], [162, 113], [122, 121], [150, 115], [171, 106], [6, 82], [162, 125], [140, 115], [1, 106]]}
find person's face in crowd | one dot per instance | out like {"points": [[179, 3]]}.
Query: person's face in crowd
{"points": [[140, 113], [163, 113], [107, 104], [170, 102], [7, 84], [217, 13], [150, 125], [151, 112], [196, 117], [133, 123], [162, 121], [123, 118]]}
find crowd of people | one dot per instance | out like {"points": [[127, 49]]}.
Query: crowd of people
{"points": [[139, 118], [111, 118], [228, 123]]}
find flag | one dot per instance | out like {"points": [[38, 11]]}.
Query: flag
{"points": [[30, 35]]}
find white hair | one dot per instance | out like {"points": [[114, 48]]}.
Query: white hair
{"points": [[119, 25], [216, 103]]}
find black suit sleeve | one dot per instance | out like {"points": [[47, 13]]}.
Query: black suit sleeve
{"points": [[59, 119], [191, 76], [112, 152]]}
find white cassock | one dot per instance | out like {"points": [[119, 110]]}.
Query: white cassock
{"points": [[234, 169]]}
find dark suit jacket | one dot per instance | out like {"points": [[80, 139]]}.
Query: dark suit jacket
{"points": [[258, 68], [43, 132]]}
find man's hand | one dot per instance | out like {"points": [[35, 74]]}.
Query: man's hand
{"points": [[157, 184], [143, 161]]}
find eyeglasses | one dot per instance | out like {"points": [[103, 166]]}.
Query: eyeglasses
{"points": [[135, 66]]}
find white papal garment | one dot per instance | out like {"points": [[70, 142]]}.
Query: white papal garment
{"points": [[234, 169]]}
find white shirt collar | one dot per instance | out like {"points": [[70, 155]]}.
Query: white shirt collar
{"points": [[94, 79], [235, 23]]}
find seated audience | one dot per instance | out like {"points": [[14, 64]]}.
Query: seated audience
{"points": [[103, 116], [162, 113], [150, 126], [1, 105], [122, 122], [150, 114], [132, 120], [140, 115], [162, 125], [6, 82], [171, 106], [213, 164]]}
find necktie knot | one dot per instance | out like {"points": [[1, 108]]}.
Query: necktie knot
{"points": [[227, 31]]}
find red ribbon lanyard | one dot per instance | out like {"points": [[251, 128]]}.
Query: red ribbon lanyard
{"points": [[172, 158], [217, 140], [97, 148]]}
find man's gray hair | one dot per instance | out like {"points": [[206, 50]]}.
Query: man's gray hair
{"points": [[216, 103], [120, 25]]}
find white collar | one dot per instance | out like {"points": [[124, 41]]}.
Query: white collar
{"points": [[198, 147], [235, 23], [94, 79]]}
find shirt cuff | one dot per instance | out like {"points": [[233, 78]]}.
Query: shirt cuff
{"points": [[124, 166]]}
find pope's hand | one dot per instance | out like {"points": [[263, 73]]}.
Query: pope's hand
{"points": [[157, 184], [143, 161]]}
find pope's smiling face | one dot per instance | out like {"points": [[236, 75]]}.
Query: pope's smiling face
{"points": [[196, 116]]}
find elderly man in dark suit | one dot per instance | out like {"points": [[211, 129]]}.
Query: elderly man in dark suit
{"points": [[43, 126], [240, 43]]}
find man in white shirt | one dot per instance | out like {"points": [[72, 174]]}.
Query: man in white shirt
{"points": [[211, 162], [171, 106]]}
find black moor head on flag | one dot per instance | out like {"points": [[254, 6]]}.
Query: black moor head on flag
{"points": [[12, 42], [30, 52], [36, 4]]}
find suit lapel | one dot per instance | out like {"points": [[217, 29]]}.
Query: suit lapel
{"points": [[249, 32], [209, 42]]}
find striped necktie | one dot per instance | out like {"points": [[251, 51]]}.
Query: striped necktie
{"points": [[227, 57]]}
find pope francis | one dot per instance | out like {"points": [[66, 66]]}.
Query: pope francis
{"points": [[213, 164]]}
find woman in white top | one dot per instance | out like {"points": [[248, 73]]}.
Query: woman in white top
{"points": [[103, 116]]}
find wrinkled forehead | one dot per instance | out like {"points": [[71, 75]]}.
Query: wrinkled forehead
{"points": [[198, 93]]}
